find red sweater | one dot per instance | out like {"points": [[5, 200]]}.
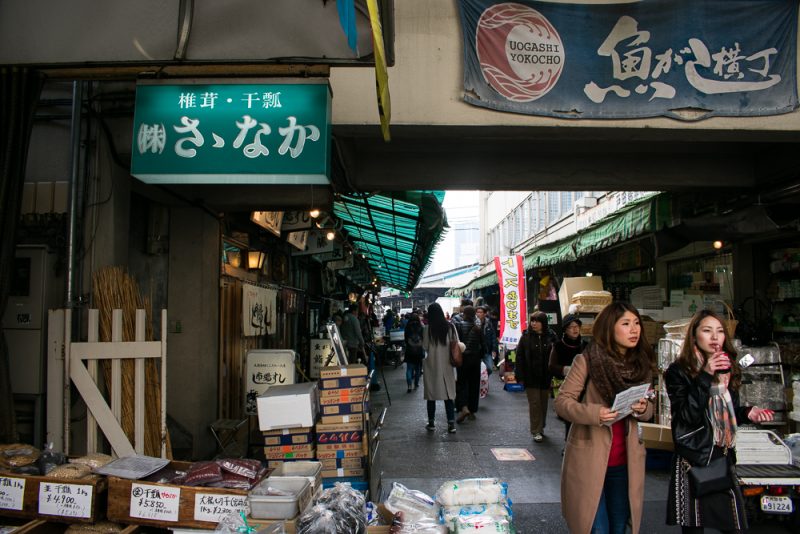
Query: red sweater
{"points": [[619, 453]]}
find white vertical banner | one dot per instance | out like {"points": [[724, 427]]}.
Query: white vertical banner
{"points": [[513, 309]]}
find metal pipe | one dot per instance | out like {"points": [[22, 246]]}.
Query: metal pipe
{"points": [[74, 177]]}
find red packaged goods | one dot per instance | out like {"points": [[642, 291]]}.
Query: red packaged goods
{"points": [[241, 466], [234, 481], [203, 473]]}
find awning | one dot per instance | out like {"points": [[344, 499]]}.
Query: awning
{"points": [[396, 232], [634, 219]]}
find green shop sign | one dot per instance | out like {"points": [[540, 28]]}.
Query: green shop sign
{"points": [[266, 133]]}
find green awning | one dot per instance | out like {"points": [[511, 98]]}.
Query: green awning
{"points": [[631, 221], [396, 232], [486, 280], [551, 253]]}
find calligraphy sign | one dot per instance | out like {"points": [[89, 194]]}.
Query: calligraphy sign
{"points": [[265, 368], [513, 307], [678, 58], [270, 133]]}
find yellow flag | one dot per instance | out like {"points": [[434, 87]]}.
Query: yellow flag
{"points": [[381, 74]]}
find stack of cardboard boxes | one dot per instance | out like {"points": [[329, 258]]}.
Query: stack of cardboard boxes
{"points": [[286, 417], [342, 444]]}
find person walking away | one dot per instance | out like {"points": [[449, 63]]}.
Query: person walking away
{"points": [[602, 477], [563, 353], [489, 337], [533, 357], [388, 321], [414, 351], [352, 338], [468, 381], [439, 382], [703, 387]]}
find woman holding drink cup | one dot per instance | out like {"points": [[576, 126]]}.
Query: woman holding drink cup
{"points": [[703, 387]]}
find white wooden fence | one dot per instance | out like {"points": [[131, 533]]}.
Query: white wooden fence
{"points": [[80, 367]]}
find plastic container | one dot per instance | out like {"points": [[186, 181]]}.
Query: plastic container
{"points": [[280, 506], [310, 470], [678, 326]]}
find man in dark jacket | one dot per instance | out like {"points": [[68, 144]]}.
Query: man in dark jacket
{"points": [[533, 358]]}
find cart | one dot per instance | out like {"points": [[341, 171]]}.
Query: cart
{"points": [[768, 476]]}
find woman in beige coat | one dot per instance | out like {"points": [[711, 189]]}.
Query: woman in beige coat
{"points": [[439, 377], [602, 478]]}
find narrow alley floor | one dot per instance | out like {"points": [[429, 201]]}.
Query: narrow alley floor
{"points": [[423, 460]]}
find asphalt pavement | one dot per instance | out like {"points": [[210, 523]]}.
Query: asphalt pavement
{"points": [[422, 459]]}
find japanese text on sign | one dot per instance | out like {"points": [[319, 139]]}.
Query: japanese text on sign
{"points": [[12, 492], [68, 500], [511, 279], [155, 502], [213, 506]]}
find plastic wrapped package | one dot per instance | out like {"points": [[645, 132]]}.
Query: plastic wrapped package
{"points": [[93, 460], [472, 491], [450, 514], [50, 459], [18, 455], [167, 475], [237, 523], [339, 510], [414, 504], [203, 473], [483, 524], [241, 466], [70, 471]]}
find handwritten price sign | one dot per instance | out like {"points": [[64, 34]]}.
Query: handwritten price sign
{"points": [[213, 507], [155, 502], [67, 500], [12, 490]]}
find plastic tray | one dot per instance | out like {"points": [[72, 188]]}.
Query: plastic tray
{"points": [[310, 470], [281, 506]]}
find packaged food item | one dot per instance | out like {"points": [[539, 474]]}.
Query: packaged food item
{"points": [[472, 491], [203, 473], [167, 475], [50, 459], [241, 466], [414, 504], [339, 510], [93, 460], [18, 455], [70, 471]]}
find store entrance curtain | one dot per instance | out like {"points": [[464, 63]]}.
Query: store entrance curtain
{"points": [[685, 59], [513, 309]]}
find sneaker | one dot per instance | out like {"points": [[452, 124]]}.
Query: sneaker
{"points": [[451, 428], [408, 390], [430, 426], [538, 437]]}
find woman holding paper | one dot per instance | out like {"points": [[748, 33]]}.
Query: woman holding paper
{"points": [[703, 387], [602, 478]]}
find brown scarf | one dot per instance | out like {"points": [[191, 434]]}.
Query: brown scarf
{"points": [[610, 375]]}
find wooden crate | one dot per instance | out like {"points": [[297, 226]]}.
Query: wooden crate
{"points": [[73, 501], [40, 526], [181, 506]]}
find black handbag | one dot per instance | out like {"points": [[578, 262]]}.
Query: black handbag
{"points": [[714, 477]]}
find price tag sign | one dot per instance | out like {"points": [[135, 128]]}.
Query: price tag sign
{"points": [[67, 500], [12, 490], [214, 506], [155, 502]]}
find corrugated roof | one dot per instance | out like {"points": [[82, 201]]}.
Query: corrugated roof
{"points": [[396, 232]]}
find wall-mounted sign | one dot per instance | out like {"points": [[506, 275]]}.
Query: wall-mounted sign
{"points": [[296, 220], [268, 220], [316, 243], [199, 133], [265, 368], [345, 263], [298, 239]]}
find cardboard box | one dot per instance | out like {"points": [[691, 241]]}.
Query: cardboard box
{"points": [[342, 393], [347, 463], [339, 447], [348, 418], [354, 369], [570, 286], [289, 431], [346, 382], [343, 472], [288, 406], [306, 447], [289, 439], [343, 409], [298, 455], [343, 398], [657, 436], [653, 331], [338, 454], [354, 435]]}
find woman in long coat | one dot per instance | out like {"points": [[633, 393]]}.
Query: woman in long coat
{"points": [[602, 478], [439, 377]]}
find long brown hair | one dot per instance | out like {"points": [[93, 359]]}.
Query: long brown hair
{"points": [[641, 356], [688, 359]]}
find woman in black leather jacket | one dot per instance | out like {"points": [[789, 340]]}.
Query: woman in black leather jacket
{"points": [[703, 387]]}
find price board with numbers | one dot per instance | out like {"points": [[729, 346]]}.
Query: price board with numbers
{"points": [[56, 499]]}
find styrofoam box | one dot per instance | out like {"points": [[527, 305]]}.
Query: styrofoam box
{"points": [[288, 406], [309, 470], [281, 506]]}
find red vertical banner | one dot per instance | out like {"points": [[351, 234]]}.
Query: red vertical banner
{"points": [[513, 308]]}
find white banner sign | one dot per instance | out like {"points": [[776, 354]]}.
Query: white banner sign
{"points": [[12, 491], [214, 506], [513, 309]]}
